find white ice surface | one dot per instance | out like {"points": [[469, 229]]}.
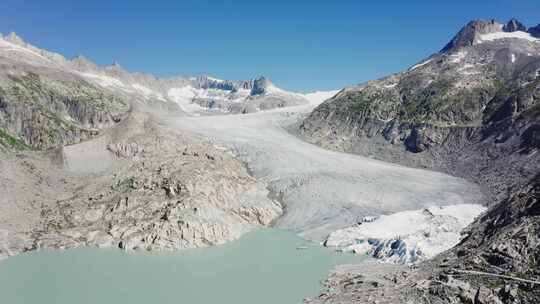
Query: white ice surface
{"points": [[318, 97], [420, 234], [324, 190]]}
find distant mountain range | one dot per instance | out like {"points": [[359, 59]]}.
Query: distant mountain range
{"points": [[47, 100], [193, 94]]}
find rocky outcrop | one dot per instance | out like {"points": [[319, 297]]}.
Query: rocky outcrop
{"points": [[468, 35], [535, 31], [514, 25], [164, 191], [157, 202], [45, 112]]}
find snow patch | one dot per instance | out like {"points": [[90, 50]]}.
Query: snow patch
{"points": [[318, 97], [390, 86], [420, 65], [408, 236], [457, 57], [513, 58], [505, 35]]}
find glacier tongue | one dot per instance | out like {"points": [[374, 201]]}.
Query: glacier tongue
{"points": [[408, 236]]}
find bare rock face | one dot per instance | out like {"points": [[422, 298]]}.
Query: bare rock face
{"points": [[514, 25], [468, 35], [46, 113], [535, 31], [171, 193]]}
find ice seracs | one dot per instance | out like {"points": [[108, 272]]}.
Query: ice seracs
{"points": [[408, 236]]}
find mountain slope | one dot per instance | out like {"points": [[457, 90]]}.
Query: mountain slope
{"points": [[472, 110], [75, 98], [469, 109], [43, 107], [85, 160]]}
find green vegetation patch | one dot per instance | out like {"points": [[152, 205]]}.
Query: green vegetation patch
{"points": [[12, 142]]}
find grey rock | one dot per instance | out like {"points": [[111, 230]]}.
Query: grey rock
{"points": [[467, 36], [514, 25], [535, 31]]}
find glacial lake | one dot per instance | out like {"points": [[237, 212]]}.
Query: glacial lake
{"points": [[262, 267]]}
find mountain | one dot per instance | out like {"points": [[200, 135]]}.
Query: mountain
{"points": [[85, 160], [92, 97], [481, 88], [472, 110]]}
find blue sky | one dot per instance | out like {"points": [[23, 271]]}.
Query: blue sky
{"points": [[300, 45]]}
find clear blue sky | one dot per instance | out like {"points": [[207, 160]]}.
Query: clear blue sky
{"points": [[300, 45]]}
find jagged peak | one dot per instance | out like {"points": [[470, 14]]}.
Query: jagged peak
{"points": [[260, 85], [467, 36], [471, 34], [514, 25]]}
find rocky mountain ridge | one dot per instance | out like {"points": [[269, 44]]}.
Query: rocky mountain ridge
{"points": [[482, 87], [471, 110], [193, 94], [72, 100]]}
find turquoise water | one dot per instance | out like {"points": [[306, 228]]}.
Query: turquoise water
{"points": [[264, 266]]}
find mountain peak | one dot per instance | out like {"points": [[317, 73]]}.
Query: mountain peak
{"points": [[467, 36], [514, 25], [260, 85]]}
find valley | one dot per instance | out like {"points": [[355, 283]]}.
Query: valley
{"points": [[425, 181]]}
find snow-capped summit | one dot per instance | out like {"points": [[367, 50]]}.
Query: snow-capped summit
{"points": [[478, 31]]}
